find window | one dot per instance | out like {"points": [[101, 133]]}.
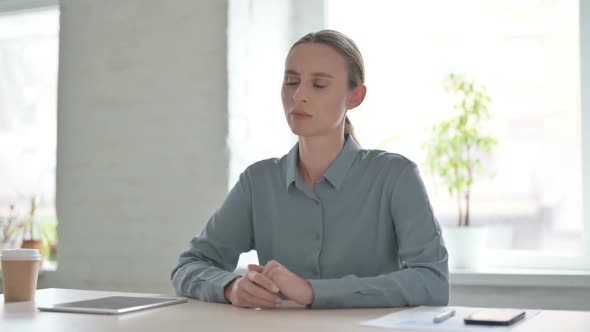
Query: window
{"points": [[28, 116], [527, 53]]}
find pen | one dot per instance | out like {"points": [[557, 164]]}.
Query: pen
{"points": [[444, 316]]}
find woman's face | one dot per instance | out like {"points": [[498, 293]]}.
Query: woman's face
{"points": [[315, 90]]}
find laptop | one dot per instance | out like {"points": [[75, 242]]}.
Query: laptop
{"points": [[112, 305]]}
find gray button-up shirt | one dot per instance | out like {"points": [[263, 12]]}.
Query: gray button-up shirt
{"points": [[364, 236]]}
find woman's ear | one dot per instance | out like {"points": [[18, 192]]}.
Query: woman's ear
{"points": [[358, 95]]}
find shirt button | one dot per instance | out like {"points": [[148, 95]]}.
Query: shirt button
{"points": [[316, 236], [315, 271]]}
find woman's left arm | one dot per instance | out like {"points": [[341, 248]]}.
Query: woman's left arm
{"points": [[423, 278]]}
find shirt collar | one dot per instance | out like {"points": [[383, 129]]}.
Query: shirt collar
{"points": [[336, 172]]}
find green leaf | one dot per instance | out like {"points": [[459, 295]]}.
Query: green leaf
{"points": [[454, 149]]}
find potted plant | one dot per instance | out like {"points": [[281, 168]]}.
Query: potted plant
{"points": [[33, 236], [11, 228], [453, 154]]}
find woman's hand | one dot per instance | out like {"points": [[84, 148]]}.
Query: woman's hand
{"points": [[291, 285], [253, 290]]}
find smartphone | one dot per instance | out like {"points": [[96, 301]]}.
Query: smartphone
{"points": [[495, 317]]}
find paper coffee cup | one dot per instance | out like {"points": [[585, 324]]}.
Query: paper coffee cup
{"points": [[20, 269]]}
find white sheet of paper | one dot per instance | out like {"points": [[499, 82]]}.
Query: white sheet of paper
{"points": [[420, 318]]}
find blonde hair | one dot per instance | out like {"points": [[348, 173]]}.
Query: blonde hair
{"points": [[351, 53]]}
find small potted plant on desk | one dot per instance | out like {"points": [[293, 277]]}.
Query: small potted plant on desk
{"points": [[10, 230], [33, 232], [453, 153]]}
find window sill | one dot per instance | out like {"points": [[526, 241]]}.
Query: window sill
{"points": [[521, 278], [48, 266]]}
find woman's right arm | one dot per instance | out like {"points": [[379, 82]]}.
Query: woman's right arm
{"points": [[206, 267]]}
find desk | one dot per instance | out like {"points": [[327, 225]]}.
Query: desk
{"points": [[201, 316]]}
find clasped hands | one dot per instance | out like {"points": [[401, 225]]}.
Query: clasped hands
{"points": [[260, 287]]}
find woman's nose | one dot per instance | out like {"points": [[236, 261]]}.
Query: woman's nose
{"points": [[300, 94]]}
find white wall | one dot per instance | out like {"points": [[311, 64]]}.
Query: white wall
{"points": [[142, 127]]}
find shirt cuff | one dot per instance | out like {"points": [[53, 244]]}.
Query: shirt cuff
{"points": [[332, 293], [218, 286]]}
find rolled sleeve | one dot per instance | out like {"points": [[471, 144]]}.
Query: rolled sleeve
{"points": [[205, 268]]}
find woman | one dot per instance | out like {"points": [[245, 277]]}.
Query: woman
{"points": [[334, 225]]}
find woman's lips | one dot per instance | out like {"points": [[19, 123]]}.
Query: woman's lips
{"points": [[300, 115]]}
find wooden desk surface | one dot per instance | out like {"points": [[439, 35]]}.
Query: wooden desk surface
{"points": [[201, 316]]}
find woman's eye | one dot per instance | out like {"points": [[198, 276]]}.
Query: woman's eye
{"points": [[290, 82], [320, 84]]}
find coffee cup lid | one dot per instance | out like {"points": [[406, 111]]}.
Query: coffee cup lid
{"points": [[20, 254]]}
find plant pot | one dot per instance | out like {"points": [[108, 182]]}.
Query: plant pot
{"points": [[466, 246], [35, 244]]}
